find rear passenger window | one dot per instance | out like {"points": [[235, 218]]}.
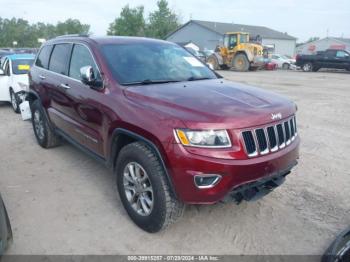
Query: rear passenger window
{"points": [[81, 57], [59, 58], [44, 56]]}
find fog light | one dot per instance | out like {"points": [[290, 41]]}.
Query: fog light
{"points": [[206, 181]]}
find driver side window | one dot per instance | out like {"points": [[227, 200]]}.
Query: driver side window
{"points": [[81, 57]]}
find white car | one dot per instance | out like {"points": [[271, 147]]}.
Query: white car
{"points": [[14, 78], [282, 62]]}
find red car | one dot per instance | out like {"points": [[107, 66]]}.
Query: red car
{"points": [[173, 130], [269, 65]]}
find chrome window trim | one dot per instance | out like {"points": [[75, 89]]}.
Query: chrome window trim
{"points": [[65, 76]]}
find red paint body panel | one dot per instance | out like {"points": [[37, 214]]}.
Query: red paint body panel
{"points": [[234, 172], [90, 116]]}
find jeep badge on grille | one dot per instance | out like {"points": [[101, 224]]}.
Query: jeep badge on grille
{"points": [[276, 116]]}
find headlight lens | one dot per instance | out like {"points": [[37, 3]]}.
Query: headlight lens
{"points": [[204, 138]]}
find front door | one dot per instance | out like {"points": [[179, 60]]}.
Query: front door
{"points": [[85, 113], [342, 59]]}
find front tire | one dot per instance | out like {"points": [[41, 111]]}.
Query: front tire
{"points": [[45, 136], [144, 189], [14, 101], [214, 62], [307, 67], [241, 63]]}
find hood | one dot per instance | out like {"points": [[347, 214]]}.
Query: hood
{"points": [[213, 103]]}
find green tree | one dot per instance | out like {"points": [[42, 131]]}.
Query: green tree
{"points": [[71, 26], [131, 22], [27, 35], [16, 30], [162, 21]]}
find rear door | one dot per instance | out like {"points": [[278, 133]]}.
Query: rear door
{"points": [[59, 104], [329, 60]]}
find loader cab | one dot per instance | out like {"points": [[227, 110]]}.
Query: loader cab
{"points": [[231, 40]]}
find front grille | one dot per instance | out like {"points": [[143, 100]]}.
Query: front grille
{"points": [[249, 142], [271, 138], [262, 142]]}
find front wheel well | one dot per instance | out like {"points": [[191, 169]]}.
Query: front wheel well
{"points": [[122, 137], [119, 142]]}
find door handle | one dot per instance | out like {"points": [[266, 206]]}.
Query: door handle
{"points": [[42, 77], [64, 86]]}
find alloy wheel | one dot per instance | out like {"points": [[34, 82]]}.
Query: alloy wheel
{"points": [[39, 125], [14, 101], [307, 67], [138, 188]]}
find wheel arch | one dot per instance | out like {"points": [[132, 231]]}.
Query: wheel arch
{"points": [[32, 96], [123, 136]]}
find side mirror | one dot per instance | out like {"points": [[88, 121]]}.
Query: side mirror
{"points": [[87, 76], [2, 73]]}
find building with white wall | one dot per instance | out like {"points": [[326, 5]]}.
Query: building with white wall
{"points": [[207, 35], [324, 44]]}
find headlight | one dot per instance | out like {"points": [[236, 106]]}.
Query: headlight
{"points": [[203, 138]]}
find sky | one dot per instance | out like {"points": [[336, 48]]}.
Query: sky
{"points": [[300, 18]]}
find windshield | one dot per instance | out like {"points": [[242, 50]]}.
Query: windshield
{"points": [[21, 66], [153, 62]]}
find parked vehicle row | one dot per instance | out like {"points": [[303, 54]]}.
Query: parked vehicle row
{"points": [[331, 58]]}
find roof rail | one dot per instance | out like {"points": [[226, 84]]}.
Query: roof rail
{"points": [[72, 35]]}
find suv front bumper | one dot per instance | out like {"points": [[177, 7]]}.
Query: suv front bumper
{"points": [[254, 173]]}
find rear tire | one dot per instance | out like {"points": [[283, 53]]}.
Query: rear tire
{"points": [[145, 192], [45, 136], [241, 63], [307, 67], [14, 101]]}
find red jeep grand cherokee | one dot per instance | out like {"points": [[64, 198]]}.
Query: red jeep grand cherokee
{"points": [[173, 130]]}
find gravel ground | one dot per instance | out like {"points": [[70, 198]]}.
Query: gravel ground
{"points": [[60, 201]]}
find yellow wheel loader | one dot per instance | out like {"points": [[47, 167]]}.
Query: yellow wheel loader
{"points": [[237, 53]]}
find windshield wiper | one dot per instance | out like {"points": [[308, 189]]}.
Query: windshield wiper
{"points": [[151, 82], [192, 78]]}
